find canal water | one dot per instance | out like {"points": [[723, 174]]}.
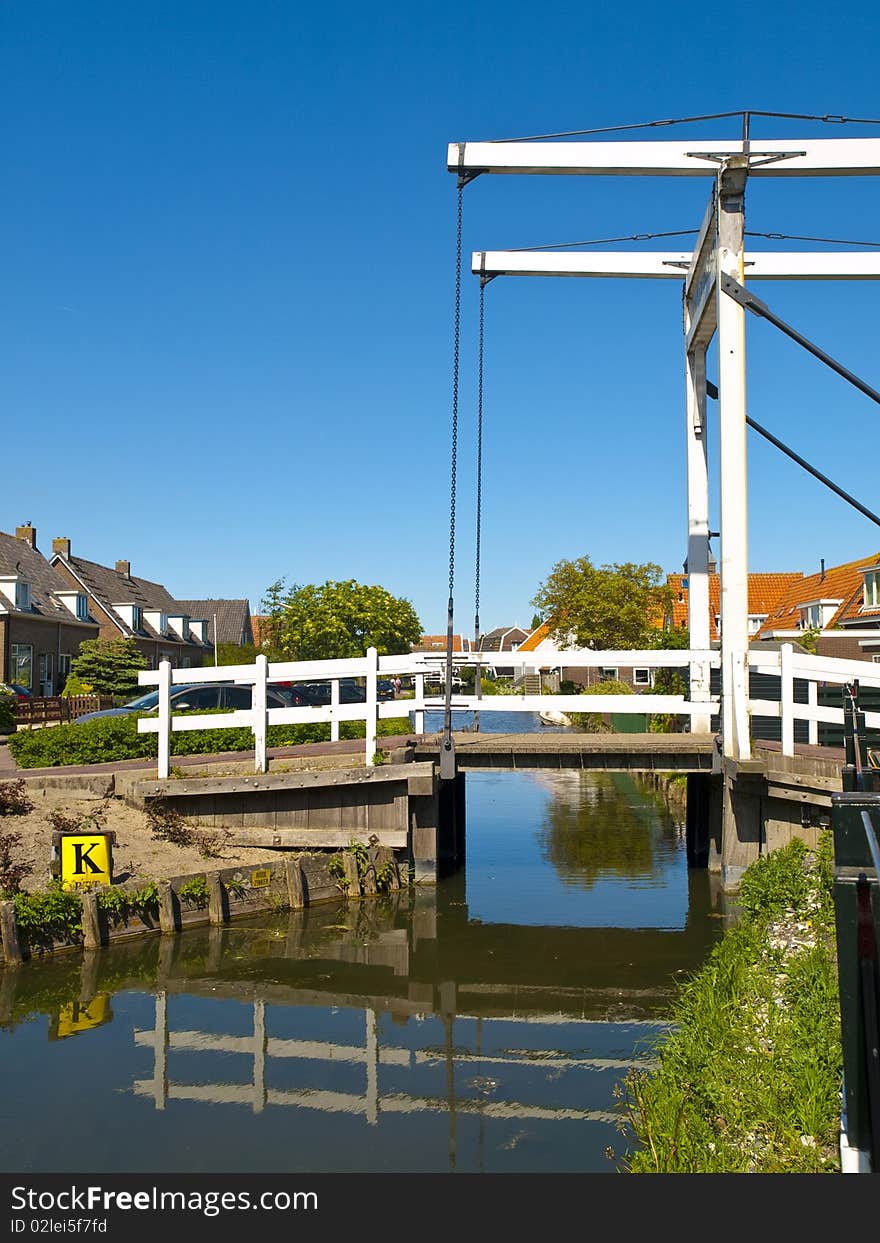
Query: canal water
{"points": [[482, 1025]]}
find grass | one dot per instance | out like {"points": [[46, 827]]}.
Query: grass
{"points": [[749, 1079]]}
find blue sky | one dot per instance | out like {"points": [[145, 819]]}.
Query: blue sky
{"points": [[228, 288]]}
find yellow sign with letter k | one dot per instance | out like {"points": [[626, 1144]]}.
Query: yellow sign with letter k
{"points": [[86, 859]]}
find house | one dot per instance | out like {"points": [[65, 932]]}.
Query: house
{"points": [[438, 643], [127, 607], [43, 619], [232, 618], [541, 642], [842, 603], [765, 594]]}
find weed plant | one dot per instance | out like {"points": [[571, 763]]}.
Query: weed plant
{"points": [[749, 1078]]}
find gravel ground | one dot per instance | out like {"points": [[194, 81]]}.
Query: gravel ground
{"points": [[137, 855]]}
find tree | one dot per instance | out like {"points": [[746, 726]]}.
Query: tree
{"points": [[336, 620], [110, 665], [237, 653], [604, 607]]}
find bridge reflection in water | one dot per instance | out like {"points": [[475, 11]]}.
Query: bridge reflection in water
{"points": [[397, 1034]]}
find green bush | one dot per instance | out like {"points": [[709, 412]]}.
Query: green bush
{"points": [[76, 686], [116, 738], [7, 712], [592, 722]]}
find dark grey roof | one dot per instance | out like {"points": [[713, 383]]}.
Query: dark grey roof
{"points": [[233, 618], [111, 587], [492, 640], [17, 556]]}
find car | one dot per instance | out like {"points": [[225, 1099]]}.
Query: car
{"points": [[384, 689], [200, 697], [13, 688], [317, 694]]}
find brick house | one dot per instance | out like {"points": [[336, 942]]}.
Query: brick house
{"points": [[127, 607], [43, 617], [842, 603]]}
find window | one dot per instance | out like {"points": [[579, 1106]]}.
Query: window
{"points": [[607, 675], [237, 697], [82, 608], [197, 699], [872, 590], [641, 677], [22, 595], [136, 617], [185, 662], [21, 664], [65, 660]]}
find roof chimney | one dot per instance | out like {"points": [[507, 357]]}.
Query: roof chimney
{"points": [[821, 569], [27, 533], [124, 568], [61, 548]]}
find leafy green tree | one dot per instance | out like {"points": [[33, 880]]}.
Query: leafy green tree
{"points": [[604, 607], [336, 620], [111, 666], [669, 681]]}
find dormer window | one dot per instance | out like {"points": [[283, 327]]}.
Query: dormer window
{"points": [[871, 590], [15, 592], [131, 614], [817, 614], [76, 602]]}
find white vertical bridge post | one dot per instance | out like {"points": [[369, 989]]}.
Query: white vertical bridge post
{"points": [[419, 716], [786, 697], [372, 704], [334, 708], [260, 715], [164, 764]]}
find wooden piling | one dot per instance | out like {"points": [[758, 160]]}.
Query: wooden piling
{"points": [[167, 910], [349, 862], [9, 932], [217, 913], [294, 879], [91, 922]]}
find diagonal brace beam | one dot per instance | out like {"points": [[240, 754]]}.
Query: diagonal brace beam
{"points": [[745, 298]]}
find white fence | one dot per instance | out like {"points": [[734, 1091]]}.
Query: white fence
{"points": [[421, 666]]}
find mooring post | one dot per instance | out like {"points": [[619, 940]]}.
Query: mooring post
{"points": [[9, 933], [217, 912], [293, 876], [91, 922], [168, 921]]}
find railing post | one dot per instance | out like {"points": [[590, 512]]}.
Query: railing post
{"points": [[786, 698], [164, 764], [372, 704], [334, 705], [261, 721], [813, 701], [419, 715]]}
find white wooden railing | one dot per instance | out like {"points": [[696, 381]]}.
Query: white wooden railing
{"points": [[426, 669]]}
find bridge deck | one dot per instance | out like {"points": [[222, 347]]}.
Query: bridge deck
{"points": [[620, 752]]}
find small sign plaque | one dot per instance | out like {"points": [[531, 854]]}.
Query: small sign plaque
{"points": [[260, 878], [86, 859]]}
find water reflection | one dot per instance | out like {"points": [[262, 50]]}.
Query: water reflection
{"points": [[478, 1025]]}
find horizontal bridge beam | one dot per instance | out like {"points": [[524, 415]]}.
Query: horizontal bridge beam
{"points": [[674, 265], [771, 157]]}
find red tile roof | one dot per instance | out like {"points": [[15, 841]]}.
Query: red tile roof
{"points": [[766, 591], [840, 582]]}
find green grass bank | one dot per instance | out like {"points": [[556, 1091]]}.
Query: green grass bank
{"points": [[748, 1080]]}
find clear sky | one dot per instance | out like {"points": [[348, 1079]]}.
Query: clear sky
{"points": [[227, 290]]}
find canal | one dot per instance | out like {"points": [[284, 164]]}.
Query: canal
{"points": [[481, 1025]]}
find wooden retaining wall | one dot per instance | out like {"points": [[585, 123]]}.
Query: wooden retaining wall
{"points": [[289, 883]]}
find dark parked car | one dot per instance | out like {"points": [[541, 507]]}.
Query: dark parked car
{"points": [[317, 694], [385, 689], [203, 697]]}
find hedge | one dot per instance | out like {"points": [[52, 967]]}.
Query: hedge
{"points": [[116, 738]]}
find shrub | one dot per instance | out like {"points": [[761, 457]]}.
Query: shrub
{"points": [[167, 824], [14, 798], [7, 712], [116, 738], [591, 722], [76, 686], [54, 914], [12, 872]]}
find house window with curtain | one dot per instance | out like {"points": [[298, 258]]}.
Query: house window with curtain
{"points": [[871, 599]]}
